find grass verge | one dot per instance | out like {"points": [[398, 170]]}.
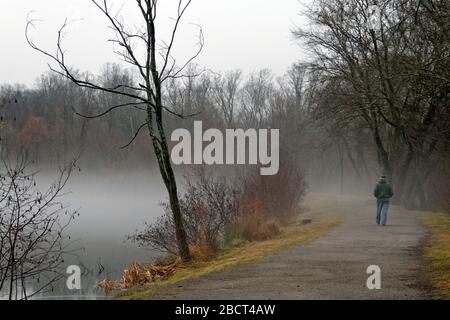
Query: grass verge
{"points": [[323, 219], [437, 251]]}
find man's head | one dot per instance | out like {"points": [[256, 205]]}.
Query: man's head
{"points": [[383, 177]]}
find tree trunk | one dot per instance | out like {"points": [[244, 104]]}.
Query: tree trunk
{"points": [[171, 186], [383, 157], [178, 220], [400, 194], [352, 160], [165, 167], [341, 167]]}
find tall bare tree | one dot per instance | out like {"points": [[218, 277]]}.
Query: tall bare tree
{"points": [[155, 68]]}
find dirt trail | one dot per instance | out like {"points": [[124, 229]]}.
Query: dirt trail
{"points": [[333, 267]]}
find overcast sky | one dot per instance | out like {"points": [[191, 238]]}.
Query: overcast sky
{"points": [[244, 34]]}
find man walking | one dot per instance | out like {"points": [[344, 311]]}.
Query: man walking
{"points": [[383, 192]]}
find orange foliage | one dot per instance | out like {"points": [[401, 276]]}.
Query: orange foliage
{"points": [[34, 131], [255, 223], [202, 252]]}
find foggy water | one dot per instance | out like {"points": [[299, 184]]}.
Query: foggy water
{"points": [[112, 206]]}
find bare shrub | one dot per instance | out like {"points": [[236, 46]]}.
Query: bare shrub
{"points": [[214, 212], [252, 224], [32, 229], [251, 218], [207, 205], [279, 195], [269, 229], [202, 252]]}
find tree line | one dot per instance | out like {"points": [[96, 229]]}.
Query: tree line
{"points": [[383, 74]]}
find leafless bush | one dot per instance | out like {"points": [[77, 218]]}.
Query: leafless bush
{"points": [[279, 195], [211, 208], [252, 224], [32, 229], [207, 205]]}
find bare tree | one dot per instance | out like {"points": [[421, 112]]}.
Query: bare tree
{"points": [[392, 76], [225, 90], [255, 102], [154, 69], [189, 95], [32, 229]]}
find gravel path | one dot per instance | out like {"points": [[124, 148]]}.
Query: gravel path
{"points": [[332, 267]]}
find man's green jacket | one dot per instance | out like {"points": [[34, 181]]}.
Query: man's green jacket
{"points": [[383, 191]]}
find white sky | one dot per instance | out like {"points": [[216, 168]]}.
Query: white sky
{"points": [[245, 34]]}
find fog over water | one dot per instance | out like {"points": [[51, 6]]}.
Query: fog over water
{"points": [[112, 206]]}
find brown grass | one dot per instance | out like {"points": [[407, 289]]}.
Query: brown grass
{"points": [[138, 274], [202, 252], [269, 229], [437, 251], [253, 224]]}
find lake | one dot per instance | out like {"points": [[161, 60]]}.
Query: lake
{"points": [[112, 206]]}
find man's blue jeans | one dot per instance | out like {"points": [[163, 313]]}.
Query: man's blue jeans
{"points": [[382, 210]]}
